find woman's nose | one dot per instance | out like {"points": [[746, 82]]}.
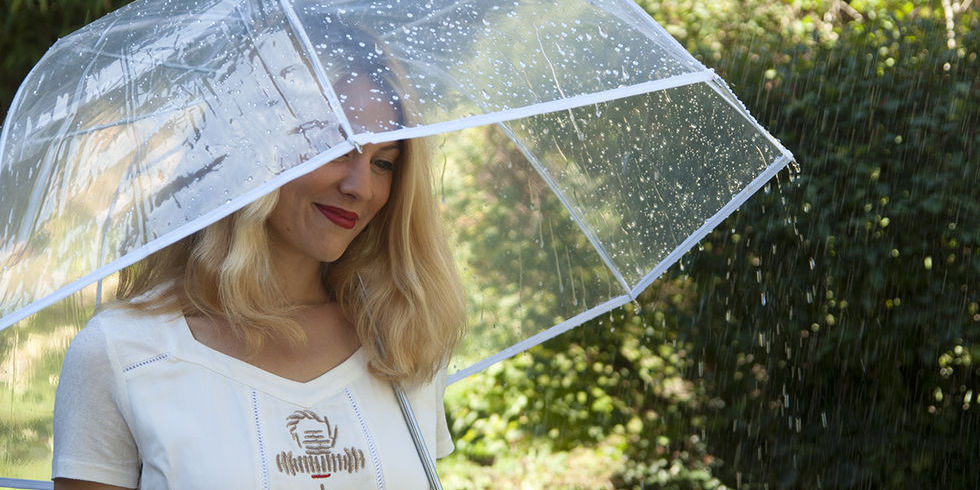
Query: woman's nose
{"points": [[356, 181]]}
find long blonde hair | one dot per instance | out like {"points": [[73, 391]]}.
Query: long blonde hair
{"points": [[396, 282]]}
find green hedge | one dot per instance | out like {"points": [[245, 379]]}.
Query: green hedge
{"points": [[840, 319], [824, 335], [29, 27]]}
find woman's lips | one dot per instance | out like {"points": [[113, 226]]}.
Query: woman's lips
{"points": [[340, 217]]}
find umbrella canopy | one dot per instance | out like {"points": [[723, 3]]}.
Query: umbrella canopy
{"points": [[615, 149]]}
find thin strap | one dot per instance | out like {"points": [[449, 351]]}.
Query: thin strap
{"points": [[428, 464], [413, 428]]}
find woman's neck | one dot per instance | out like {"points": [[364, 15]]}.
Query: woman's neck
{"points": [[301, 280]]}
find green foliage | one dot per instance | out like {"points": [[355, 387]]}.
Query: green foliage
{"points": [[29, 27], [826, 334], [841, 315], [617, 386]]}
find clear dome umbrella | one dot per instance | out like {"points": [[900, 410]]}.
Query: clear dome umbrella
{"points": [[580, 150]]}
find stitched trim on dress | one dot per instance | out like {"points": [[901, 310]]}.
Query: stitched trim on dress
{"points": [[372, 448], [261, 441], [146, 362]]}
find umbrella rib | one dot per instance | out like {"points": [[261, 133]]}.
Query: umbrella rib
{"points": [[262, 61], [677, 49], [318, 71], [572, 210]]}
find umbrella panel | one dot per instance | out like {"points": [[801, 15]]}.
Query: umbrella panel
{"points": [[164, 116], [669, 162]]}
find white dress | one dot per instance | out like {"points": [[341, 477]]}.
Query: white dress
{"points": [[142, 403]]}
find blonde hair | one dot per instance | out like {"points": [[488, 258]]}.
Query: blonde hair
{"points": [[396, 282]]}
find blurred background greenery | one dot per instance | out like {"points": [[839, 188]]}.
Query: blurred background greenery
{"points": [[822, 337]]}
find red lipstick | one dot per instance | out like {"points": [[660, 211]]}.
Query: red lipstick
{"points": [[340, 217]]}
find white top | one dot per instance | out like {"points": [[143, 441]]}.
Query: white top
{"points": [[141, 402]]}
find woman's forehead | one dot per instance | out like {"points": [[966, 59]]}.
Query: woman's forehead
{"points": [[370, 106]]}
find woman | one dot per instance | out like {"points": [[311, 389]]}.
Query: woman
{"points": [[258, 352]]}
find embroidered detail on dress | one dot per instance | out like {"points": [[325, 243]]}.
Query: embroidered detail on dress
{"points": [[317, 438], [260, 440], [146, 362], [372, 448]]}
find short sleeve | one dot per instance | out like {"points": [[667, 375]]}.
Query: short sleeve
{"points": [[92, 440], [444, 439]]}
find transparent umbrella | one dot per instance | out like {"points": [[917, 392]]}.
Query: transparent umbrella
{"points": [[602, 152]]}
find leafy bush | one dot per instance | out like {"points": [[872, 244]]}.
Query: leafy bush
{"points": [[29, 27], [825, 335], [840, 320]]}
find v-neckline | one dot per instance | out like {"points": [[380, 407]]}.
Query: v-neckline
{"points": [[322, 386]]}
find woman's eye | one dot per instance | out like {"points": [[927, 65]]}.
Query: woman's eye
{"points": [[386, 165]]}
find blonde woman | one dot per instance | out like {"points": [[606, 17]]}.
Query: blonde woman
{"points": [[258, 352]]}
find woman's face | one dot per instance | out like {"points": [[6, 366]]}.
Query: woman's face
{"points": [[318, 215]]}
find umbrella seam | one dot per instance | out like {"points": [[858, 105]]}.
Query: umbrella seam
{"points": [[318, 71], [711, 223], [166, 64], [103, 242], [717, 84], [572, 210], [537, 109], [538, 338], [363, 138]]}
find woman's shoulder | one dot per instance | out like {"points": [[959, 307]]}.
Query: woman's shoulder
{"points": [[125, 317], [130, 332]]}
